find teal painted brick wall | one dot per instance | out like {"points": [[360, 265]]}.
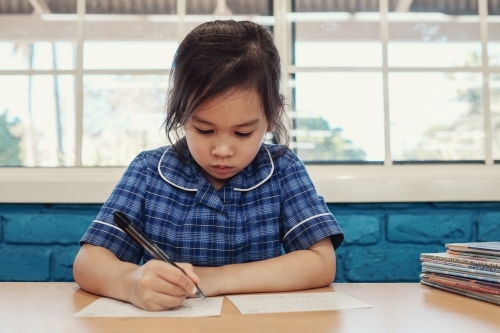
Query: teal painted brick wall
{"points": [[383, 241], [40, 242]]}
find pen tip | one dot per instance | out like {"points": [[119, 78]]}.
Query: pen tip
{"points": [[197, 291]]}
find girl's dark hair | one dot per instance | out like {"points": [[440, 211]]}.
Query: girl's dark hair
{"points": [[219, 56]]}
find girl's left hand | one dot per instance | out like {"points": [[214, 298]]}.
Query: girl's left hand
{"points": [[211, 280]]}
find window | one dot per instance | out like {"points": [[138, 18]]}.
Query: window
{"points": [[371, 84], [83, 83], [425, 57]]}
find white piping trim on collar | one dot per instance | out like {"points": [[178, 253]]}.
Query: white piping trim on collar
{"points": [[298, 224], [265, 179], [165, 179]]}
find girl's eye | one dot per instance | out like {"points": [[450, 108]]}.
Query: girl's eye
{"points": [[204, 132], [243, 135]]}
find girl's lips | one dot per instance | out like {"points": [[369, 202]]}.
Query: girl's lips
{"points": [[222, 170]]}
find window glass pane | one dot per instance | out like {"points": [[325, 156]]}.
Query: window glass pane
{"points": [[342, 37], [229, 7], [338, 117], [114, 42], [37, 120], [123, 115], [129, 55], [144, 7], [16, 7], [37, 41], [130, 34], [434, 34], [436, 116], [349, 6], [494, 33], [495, 114], [37, 55], [198, 12]]}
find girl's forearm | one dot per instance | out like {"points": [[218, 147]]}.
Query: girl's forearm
{"points": [[98, 271], [298, 270]]}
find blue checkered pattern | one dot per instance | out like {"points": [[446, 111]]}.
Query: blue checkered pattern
{"points": [[268, 204]]}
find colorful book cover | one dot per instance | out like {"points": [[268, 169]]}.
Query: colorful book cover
{"points": [[474, 276], [479, 247], [471, 294], [461, 269], [462, 283]]}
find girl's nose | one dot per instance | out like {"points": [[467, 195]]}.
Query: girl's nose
{"points": [[222, 149]]}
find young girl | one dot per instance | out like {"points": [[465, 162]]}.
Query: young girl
{"points": [[218, 200]]}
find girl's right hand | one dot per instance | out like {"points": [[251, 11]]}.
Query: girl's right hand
{"points": [[157, 285]]}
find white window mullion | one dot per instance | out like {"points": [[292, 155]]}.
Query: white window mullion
{"points": [[488, 135], [80, 28], [283, 41], [384, 35], [181, 20]]}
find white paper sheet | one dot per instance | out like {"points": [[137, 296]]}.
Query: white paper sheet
{"points": [[192, 307], [273, 303]]}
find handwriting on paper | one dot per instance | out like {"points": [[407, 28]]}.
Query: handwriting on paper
{"points": [[301, 302]]}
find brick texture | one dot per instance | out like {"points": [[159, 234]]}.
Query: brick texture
{"points": [[430, 228], [62, 269], [360, 229], [489, 227], [383, 241], [24, 263], [45, 228], [384, 263]]}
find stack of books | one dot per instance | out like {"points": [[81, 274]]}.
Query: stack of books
{"points": [[468, 269]]}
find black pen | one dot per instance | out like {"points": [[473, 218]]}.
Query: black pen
{"points": [[126, 225]]}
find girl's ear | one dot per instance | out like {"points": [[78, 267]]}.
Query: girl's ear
{"points": [[270, 128]]}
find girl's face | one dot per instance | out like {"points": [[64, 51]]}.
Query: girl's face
{"points": [[225, 134]]}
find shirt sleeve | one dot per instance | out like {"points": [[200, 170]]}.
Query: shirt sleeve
{"points": [[127, 197], [305, 215]]}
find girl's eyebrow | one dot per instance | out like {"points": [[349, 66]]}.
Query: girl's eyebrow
{"points": [[247, 123]]}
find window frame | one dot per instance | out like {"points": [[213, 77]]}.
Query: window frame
{"points": [[335, 182]]}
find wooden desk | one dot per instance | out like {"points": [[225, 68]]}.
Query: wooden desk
{"points": [[398, 308]]}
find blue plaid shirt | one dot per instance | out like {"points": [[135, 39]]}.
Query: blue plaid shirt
{"points": [[268, 204]]}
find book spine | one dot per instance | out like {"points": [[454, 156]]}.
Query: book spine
{"points": [[491, 250], [474, 250], [479, 298], [486, 270], [460, 274], [461, 285], [461, 260], [476, 282], [459, 268], [463, 254]]}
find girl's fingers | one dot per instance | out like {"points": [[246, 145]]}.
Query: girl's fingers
{"points": [[160, 301], [167, 288], [188, 268], [174, 276]]}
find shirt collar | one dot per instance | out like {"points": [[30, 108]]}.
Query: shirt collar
{"points": [[186, 176]]}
